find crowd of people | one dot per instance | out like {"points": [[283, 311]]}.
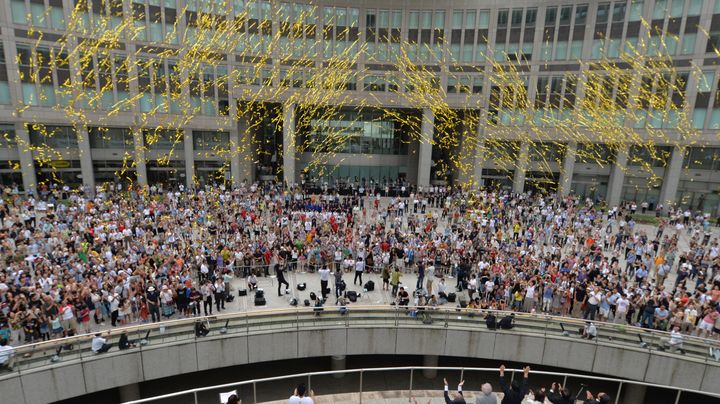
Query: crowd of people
{"points": [[74, 262], [516, 391], [519, 392]]}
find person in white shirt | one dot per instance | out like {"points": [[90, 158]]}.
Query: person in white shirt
{"points": [[6, 353], [324, 278], [621, 311], [299, 396], [359, 269], [675, 342], [99, 344], [590, 331]]}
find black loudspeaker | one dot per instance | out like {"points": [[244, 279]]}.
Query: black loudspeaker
{"points": [[242, 292], [259, 301]]}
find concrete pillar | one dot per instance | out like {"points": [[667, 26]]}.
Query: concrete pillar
{"points": [[235, 157], [430, 361], [246, 151], [566, 174], [479, 150], [130, 392], [189, 159], [289, 144], [617, 177], [427, 130], [633, 393], [27, 164], [86, 165], [338, 363], [140, 164], [671, 179], [521, 168]]}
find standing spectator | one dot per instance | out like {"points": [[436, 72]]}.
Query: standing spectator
{"points": [[516, 392], [207, 290], [324, 273], [301, 395], [153, 303], [457, 397], [486, 395]]}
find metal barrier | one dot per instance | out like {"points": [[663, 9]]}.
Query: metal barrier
{"points": [[399, 378], [54, 352]]}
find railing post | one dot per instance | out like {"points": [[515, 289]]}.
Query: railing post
{"points": [[361, 386], [411, 384], [462, 374], [309, 387], [195, 394], [677, 399], [564, 381], [255, 393], [617, 397]]}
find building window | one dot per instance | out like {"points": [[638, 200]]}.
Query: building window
{"points": [[603, 12], [209, 140], [581, 14], [502, 18], [111, 138], [636, 10], [62, 137], [659, 10]]}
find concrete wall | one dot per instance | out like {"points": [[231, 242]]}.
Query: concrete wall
{"points": [[73, 378]]}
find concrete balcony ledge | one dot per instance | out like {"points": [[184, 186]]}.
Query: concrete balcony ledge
{"points": [[294, 334]]}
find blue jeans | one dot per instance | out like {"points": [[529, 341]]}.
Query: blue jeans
{"points": [[646, 321]]}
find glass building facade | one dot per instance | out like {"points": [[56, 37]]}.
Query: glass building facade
{"points": [[456, 41]]}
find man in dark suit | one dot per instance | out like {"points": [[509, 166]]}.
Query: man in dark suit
{"points": [[515, 393], [457, 397]]}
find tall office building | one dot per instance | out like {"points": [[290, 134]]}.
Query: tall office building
{"points": [[455, 40]]}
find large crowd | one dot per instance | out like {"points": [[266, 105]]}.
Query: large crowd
{"points": [[72, 263]]}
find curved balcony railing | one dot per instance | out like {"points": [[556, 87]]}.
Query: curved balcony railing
{"points": [[55, 352], [408, 383]]}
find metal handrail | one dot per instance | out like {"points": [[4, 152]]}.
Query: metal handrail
{"points": [[248, 319], [361, 371]]}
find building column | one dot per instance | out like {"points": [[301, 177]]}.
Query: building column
{"points": [[130, 392], [568, 167], [289, 144], [617, 177], [671, 179], [140, 165], [246, 151], [522, 164], [633, 393], [235, 157], [430, 361], [479, 150], [27, 163], [427, 130], [189, 159], [86, 165], [338, 363]]}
